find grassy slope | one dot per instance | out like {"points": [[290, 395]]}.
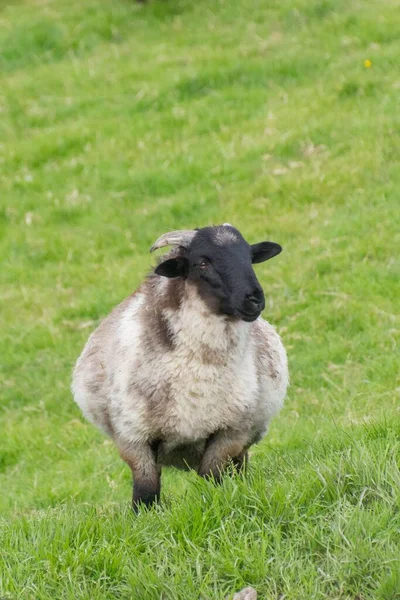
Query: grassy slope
{"points": [[120, 121]]}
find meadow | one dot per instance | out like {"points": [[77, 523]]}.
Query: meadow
{"points": [[119, 121]]}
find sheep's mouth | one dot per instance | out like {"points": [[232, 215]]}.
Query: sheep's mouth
{"points": [[248, 317]]}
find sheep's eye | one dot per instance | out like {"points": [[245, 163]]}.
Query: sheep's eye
{"points": [[203, 264]]}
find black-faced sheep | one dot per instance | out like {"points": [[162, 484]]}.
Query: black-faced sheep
{"points": [[185, 372]]}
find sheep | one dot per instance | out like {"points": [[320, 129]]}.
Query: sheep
{"points": [[185, 372]]}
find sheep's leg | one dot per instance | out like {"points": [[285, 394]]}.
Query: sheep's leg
{"points": [[146, 474], [222, 448]]}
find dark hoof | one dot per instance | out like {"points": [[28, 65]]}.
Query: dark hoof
{"points": [[144, 501]]}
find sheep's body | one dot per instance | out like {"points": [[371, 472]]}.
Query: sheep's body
{"points": [[155, 371], [175, 380]]}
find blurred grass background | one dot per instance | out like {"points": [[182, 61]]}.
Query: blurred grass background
{"points": [[119, 121]]}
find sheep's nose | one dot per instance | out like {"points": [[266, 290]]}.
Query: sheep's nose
{"points": [[256, 297]]}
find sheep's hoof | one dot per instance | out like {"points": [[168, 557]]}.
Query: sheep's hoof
{"points": [[146, 500], [139, 505]]}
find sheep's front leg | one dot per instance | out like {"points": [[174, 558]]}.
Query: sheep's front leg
{"points": [[223, 447], [146, 474]]}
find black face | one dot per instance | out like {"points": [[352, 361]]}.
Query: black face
{"points": [[219, 262]]}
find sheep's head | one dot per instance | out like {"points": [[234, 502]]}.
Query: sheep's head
{"points": [[219, 262]]}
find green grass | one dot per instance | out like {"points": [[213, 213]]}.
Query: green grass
{"points": [[119, 121]]}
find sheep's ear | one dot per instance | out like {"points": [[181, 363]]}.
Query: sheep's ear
{"points": [[264, 251], [174, 267]]}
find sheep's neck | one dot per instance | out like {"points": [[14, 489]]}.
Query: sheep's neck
{"points": [[194, 326]]}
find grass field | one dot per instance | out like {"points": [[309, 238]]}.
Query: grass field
{"points": [[119, 121]]}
